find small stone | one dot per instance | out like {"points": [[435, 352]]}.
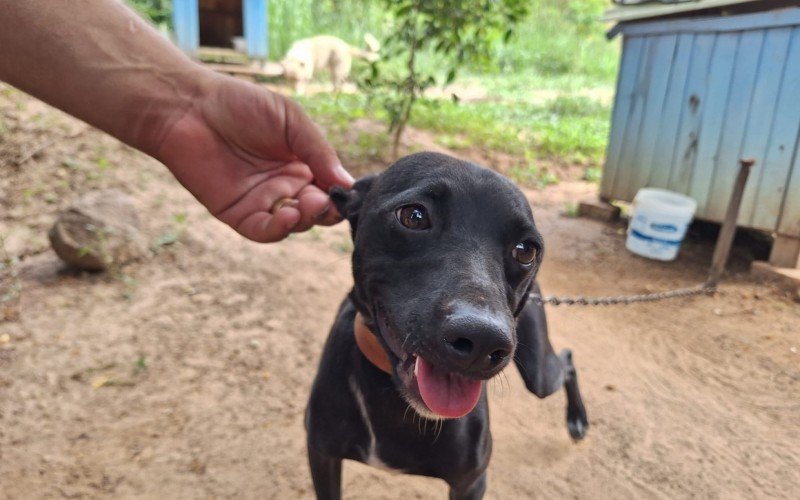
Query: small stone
{"points": [[100, 230], [598, 210], [145, 455], [197, 466]]}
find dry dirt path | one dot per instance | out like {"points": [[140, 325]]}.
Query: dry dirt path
{"points": [[185, 376]]}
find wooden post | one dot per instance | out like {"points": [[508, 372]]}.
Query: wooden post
{"points": [[785, 252], [728, 230]]}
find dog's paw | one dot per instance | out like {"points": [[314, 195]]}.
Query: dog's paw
{"points": [[578, 424]]}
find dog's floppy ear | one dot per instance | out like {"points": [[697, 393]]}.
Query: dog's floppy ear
{"points": [[540, 367], [349, 201]]}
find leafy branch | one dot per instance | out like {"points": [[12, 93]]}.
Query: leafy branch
{"points": [[454, 32]]}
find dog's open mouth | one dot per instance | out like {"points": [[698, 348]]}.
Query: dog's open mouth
{"points": [[444, 394]]}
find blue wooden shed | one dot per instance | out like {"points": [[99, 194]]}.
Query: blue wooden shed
{"points": [[702, 84], [217, 22]]}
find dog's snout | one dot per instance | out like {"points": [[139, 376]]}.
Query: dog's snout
{"points": [[477, 343]]}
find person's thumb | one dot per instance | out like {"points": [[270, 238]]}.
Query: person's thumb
{"points": [[309, 145]]}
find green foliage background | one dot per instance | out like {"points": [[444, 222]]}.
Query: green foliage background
{"points": [[558, 49], [557, 37], [158, 11]]}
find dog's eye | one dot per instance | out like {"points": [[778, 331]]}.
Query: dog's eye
{"points": [[525, 252], [413, 217]]}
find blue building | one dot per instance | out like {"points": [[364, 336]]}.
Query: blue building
{"points": [[702, 84], [215, 23]]}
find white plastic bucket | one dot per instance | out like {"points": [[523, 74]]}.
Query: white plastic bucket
{"points": [[658, 223]]}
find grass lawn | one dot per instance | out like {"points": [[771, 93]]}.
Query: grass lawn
{"points": [[563, 126]]}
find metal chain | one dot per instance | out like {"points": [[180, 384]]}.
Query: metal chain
{"points": [[705, 288]]}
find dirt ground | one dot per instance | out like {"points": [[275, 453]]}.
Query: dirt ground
{"points": [[186, 375]]}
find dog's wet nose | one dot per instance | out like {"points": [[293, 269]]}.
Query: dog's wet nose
{"points": [[476, 342]]}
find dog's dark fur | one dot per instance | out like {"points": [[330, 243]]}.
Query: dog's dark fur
{"points": [[421, 291]]}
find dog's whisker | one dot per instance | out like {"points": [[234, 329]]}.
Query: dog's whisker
{"points": [[505, 383], [438, 426], [405, 340]]}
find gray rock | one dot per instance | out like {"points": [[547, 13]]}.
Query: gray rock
{"points": [[99, 231]]}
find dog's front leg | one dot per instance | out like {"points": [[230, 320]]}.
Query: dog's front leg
{"points": [[577, 422], [326, 472], [540, 367], [470, 491], [543, 371]]}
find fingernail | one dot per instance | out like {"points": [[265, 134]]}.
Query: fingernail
{"points": [[284, 202], [293, 225], [344, 174], [322, 214]]}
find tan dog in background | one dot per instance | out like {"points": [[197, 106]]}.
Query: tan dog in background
{"points": [[324, 51]]}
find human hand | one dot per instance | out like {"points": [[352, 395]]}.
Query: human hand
{"points": [[240, 150]]}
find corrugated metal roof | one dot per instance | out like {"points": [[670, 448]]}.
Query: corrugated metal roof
{"points": [[622, 13]]}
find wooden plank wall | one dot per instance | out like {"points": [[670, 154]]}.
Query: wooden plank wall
{"points": [[692, 101], [186, 25]]}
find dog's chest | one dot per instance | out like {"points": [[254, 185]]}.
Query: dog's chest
{"points": [[400, 440], [370, 450]]}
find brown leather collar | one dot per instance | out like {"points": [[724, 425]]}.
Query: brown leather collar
{"points": [[369, 345]]}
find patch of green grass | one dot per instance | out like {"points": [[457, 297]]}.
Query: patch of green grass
{"points": [[532, 175], [315, 233], [140, 365], [336, 113], [560, 38], [528, 85], [593, 174], [546, 94], [571, 209], [343, 246], [572, 129], [32, 192], [11, 284], [569, 127], [130, 284], [370, 145], [339, 110], [71, 163], [454, 141], [173, 234], [103, 163]]}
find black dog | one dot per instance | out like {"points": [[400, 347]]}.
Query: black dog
{"points": [[445, 257]]}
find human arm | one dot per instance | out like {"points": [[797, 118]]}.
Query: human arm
{"points": [[236, 147]]}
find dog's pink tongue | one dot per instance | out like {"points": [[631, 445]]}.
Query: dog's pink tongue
{"points": [[447, 394]]}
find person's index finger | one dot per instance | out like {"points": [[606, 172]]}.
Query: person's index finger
{"points": [[310, 146], [344, 179]]}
